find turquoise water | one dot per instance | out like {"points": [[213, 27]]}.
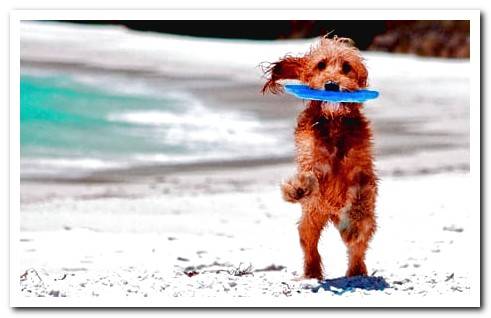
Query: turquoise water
{"points": [[68, 125], [60, 117]]}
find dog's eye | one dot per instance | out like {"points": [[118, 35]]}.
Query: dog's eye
{"points": [[346, 68], [321, 65]]}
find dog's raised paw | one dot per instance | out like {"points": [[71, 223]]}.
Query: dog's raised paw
{"points": [[299, 187], [308, 181], [290, 193]]}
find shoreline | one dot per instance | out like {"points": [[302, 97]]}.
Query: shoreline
{"points": [[205, 179], [388, 165]]}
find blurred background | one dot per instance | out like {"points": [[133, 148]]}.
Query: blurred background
{"points": [[111, 100], [425, 38]]}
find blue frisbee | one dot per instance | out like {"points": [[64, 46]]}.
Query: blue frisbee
{"points": [[305, 92]]}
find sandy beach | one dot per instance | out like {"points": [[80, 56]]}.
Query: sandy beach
{"points": [[216, 234], [218, 228]]}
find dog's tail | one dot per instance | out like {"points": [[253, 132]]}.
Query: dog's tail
{"points": [[299, 187]]}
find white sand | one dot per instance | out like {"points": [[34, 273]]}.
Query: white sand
{"points": [[142, 247]]}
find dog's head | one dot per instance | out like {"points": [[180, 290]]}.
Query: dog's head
{"points": [[331, 64]]}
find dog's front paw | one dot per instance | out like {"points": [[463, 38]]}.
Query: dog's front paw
{"points": [[299, 187]]}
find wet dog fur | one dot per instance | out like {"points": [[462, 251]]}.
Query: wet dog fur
{"points": [[335, 180]]}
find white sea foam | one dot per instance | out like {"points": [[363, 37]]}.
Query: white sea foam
{"points": [[67, 167], [89, 163], [200, 126]]}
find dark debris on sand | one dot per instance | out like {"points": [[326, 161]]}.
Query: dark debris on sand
{"points": [[271, 268]]}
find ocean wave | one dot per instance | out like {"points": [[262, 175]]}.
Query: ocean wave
{"points": [[200, 125], [72, 128], [67, 163], [65, 167]]}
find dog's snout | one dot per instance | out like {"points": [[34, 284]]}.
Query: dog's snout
{"points": [[331, 86]]}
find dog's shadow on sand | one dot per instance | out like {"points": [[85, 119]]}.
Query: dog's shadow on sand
{"points": [[344, 284]]}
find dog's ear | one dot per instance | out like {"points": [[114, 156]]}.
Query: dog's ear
{"points": [[287, 68]]}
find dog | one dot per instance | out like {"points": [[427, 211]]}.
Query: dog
{"points": [[335, 180]]}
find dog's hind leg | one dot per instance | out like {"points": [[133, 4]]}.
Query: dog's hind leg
{"points": [[356, 252], [357, 227], [309, 228]]}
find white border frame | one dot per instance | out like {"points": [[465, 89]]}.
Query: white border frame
{"points": [[17, 300]]}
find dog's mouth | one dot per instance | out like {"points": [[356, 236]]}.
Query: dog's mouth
{"points": [[333, 107], [332, 87]]}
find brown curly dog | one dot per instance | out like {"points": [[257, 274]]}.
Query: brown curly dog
{"points": [[335, 178]]}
